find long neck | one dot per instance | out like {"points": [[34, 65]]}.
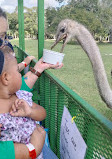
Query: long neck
{"points": [[90, 47]]}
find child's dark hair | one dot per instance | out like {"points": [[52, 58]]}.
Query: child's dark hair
{"points": [[1, 61]]}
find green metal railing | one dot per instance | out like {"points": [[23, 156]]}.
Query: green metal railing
{"points": [[21, 25], [40, 26], [95, 129]]}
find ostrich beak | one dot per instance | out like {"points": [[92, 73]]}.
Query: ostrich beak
{"points": [[58, 39], [54, 44]]}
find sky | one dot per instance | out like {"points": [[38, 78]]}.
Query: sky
{"points": [[10, 5]]}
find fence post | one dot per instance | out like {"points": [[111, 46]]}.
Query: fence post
{"points": [[21, 25], [40, 28]]}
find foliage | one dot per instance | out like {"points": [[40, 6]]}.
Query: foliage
{"points": [[105, 17], [88, 19], [90, 5], [30, 22], [13, 22], [96, 15]]}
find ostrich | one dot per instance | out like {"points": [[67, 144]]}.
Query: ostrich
{"points": [[68, 29]]}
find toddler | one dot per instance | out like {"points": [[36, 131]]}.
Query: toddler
{"points": [[17, 111]]}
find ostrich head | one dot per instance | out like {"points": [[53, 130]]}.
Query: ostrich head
{"points": [[68, 29], [64, 32]]}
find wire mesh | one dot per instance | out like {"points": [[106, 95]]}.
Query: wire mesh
{"points": [[95, 129], [95, 134]]}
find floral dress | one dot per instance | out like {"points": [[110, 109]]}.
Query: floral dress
{"points": [[17, 129]]}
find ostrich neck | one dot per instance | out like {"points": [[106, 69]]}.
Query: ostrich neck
{"points": [[90, 47]]}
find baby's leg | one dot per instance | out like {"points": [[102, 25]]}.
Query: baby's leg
{"points": [[41, 130], [46, 153], [43, 133], [38, 139]]}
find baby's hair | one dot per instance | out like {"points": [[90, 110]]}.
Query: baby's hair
{"points": [[7, 52], [2, 13]]}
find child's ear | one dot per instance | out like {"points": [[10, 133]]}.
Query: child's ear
{"points": [[5, 78]]}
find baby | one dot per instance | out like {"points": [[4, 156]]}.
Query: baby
{"points": [[17, 111]]}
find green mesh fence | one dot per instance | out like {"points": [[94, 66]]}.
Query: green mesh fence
{"points": [[95, 129]]}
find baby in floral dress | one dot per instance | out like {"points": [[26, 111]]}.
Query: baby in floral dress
{"points": [[17, 111], [17, 129]]}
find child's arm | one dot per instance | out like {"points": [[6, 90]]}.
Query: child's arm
{"points": [[22, 108], [25, 63], [40, 66], [37, 112]]}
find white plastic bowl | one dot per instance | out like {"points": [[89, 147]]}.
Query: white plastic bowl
{"points": [[52, 57]]}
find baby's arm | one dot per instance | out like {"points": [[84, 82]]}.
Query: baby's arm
{"points": [[22, 108], [37, 112]]}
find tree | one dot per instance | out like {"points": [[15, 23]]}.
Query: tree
{"points": [[88, 12], [30, 21], [81, 15], [13, 22]]}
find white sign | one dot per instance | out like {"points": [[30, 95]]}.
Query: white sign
{"points": [[72, 145]]}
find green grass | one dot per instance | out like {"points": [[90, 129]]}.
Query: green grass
{"points": [[77, 71]]}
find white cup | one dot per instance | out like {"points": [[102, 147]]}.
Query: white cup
{"points": [[52, 57]]}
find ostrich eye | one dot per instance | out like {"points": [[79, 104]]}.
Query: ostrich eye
{"points": [[62, 30]]}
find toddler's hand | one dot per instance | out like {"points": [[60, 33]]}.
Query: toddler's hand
{"points": [[28, 59], [20, 108]]}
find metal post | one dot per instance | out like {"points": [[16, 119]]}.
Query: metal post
{"points": [[40, 28], [21, 25]]}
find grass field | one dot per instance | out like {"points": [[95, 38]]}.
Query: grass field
{"points": [[77, 71]]}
